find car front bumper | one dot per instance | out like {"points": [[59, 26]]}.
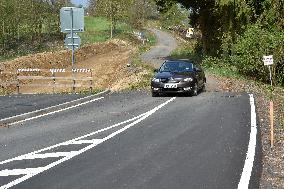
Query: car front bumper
{"points": [[182, 87]]}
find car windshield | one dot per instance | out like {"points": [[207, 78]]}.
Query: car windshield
{"points": [[176, 67]]}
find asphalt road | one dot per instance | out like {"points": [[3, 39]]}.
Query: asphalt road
{"points": [[190, 142], [130, 139], [18, 104], [165, 45]]}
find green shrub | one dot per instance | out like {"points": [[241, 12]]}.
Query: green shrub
{"points": [[250, 48]]}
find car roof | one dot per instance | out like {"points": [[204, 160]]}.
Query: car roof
{"points": [[180, 60]]}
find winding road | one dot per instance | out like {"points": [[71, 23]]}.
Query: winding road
{"points": [[130, 140], [166, 43]]}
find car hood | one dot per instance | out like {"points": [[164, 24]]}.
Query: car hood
{"points": [[161, 75]]}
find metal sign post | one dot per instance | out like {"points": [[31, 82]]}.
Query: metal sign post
{"points": [[72, 36], [72, 22]]}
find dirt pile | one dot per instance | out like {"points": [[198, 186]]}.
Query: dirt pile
{"points": [[107, 60], [61, 59]]}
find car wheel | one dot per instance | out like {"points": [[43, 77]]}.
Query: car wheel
{"points": [[155, 94], [195, 90]]}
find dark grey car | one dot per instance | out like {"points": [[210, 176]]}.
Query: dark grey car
{"points": [[178, 76]]}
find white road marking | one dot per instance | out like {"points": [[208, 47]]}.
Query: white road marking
{"points": [[94, 141], [36, 111], [43, 156], [73, 140], [28, 173], [248, 166], [15, 172], [57, 111]]}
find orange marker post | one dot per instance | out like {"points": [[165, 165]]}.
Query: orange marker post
{"points": [[271, 124]]}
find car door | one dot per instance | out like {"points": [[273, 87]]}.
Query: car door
{"points": [[199, 75]]}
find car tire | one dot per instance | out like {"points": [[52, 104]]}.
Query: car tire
{"points": [[195, 90], [155, 94]]}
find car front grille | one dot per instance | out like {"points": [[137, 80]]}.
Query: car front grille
{"points": [[164, 80], [167, 80]]}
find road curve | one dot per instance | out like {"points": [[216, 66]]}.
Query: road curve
{"points": [[166, 43], [131, 140]]}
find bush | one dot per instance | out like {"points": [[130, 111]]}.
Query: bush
{"points": [[250, 48]]}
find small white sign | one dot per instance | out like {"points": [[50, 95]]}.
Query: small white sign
{"points": [[268, 60]]}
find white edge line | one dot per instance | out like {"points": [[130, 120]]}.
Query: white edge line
{"points": [[40, 170], [24, 114], [248, 166]]}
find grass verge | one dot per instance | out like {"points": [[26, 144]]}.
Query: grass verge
{"points": [[98, 30], [145, 68]]}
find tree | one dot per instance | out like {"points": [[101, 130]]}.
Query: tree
{"points": [[141, 10], [113, 10], [28, 20], [165, 5], [176, 15]]}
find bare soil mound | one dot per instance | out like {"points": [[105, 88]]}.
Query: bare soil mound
{"points": [[107, 60]]}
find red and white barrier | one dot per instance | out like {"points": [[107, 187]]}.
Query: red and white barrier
{"points": [[54, 70]]}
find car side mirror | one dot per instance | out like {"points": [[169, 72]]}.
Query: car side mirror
{"points": [[156, 70], [196, 69]]}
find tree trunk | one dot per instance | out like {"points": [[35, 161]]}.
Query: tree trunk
{"points": [[111, 29]]}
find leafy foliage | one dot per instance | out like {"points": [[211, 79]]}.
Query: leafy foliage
{"points": [[140, 11], [176, 15], [114, 10], [238, 33], [250, 48], [28, 21], [134, 12]]}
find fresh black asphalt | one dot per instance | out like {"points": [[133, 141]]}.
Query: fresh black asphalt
{"points": [[193, 142], [18, 104]]}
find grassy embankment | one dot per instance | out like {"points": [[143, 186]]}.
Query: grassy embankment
{"points": [[144, 82], [97, 30]]}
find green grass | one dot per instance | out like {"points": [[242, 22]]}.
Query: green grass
{"points": [[151, 41], [145, 81], [97, 29]]}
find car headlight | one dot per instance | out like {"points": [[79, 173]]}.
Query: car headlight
{"points": [[188, 79], [156, 80]]}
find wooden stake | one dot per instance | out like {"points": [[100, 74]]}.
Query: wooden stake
{"points": [[271, 125]]}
